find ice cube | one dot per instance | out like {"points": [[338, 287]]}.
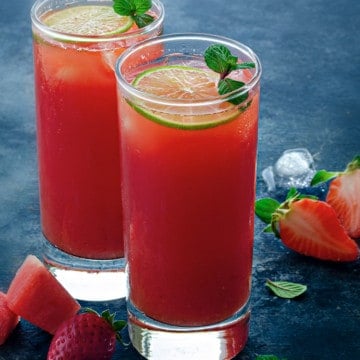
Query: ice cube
{"points": [[268, 176], [294, 168]]}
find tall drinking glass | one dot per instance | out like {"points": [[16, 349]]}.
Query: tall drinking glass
{"points": [[76, 43], [188, 181]]}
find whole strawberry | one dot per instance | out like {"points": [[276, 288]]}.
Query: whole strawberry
{"points": [[344, 194], [86, 336], [307, 226]]}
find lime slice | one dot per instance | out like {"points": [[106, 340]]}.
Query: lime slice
{"points": [[175, 82], [88, 20]]}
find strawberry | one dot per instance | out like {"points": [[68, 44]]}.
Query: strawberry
{"points": [[344, 194], [308, 226], [86, 336]]}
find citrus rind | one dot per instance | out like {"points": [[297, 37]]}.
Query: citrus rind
{"points": [[88, 20], [203, 89]]}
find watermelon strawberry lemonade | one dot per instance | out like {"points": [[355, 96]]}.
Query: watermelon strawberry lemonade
{"points": [[75, 47], [188, 157]]}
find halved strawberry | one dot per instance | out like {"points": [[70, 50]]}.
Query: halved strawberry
{"points": [[308, 226], [344, 195]]}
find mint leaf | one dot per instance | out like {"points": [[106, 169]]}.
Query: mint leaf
{"points": [[244, 65], [322, 176], [267, 357], [142, 6], [264, 208], [285, 289], [124, 7], [136, 9], [232, 62], [226, 86], [219, 59], [143, 20]]}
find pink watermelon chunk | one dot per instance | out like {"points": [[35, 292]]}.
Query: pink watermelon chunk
{"points": [[8, 320], [37, 296]]}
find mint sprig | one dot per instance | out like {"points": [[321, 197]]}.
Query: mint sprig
{"points": [[136, 9], [220, 59]]}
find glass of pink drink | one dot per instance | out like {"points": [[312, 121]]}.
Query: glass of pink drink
{"points": [[78, 141], [188, 181]]}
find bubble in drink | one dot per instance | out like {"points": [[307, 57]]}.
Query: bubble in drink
{"points": [[294, 168]]}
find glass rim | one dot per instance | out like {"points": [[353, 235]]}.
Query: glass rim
{"points": [[68, 37], [151, 98]]}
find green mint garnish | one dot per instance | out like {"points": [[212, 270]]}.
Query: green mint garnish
{"points": [[285, 289], [267, 357], [226, 86], [219, 59], [136, 9]]}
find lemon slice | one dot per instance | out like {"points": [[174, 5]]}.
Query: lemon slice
{"points": [[88, 20], [177, 82]]}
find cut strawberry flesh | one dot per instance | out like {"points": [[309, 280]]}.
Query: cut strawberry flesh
{"points": [[312, 228], [344, 197]]}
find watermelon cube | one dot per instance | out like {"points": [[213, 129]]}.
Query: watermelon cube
{"points": [[37, 296], [8, 320]]}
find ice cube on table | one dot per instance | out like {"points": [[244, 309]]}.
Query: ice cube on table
{"points": [[294, 168], [269, 178]]}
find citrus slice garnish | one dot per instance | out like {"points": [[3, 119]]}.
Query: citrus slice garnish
{"points": [[88, 20], [178, 82]]}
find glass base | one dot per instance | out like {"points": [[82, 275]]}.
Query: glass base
{"points": [[87, 279], [220, 341]]}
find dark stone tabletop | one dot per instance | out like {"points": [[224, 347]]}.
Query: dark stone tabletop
{"points": [[310, 99]]}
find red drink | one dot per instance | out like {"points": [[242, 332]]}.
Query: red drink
{"points": [[188, 162], [79, 160], [189, 198], [76, 44]]}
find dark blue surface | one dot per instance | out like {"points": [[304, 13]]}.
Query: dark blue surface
{"points": [[310, 98]]}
